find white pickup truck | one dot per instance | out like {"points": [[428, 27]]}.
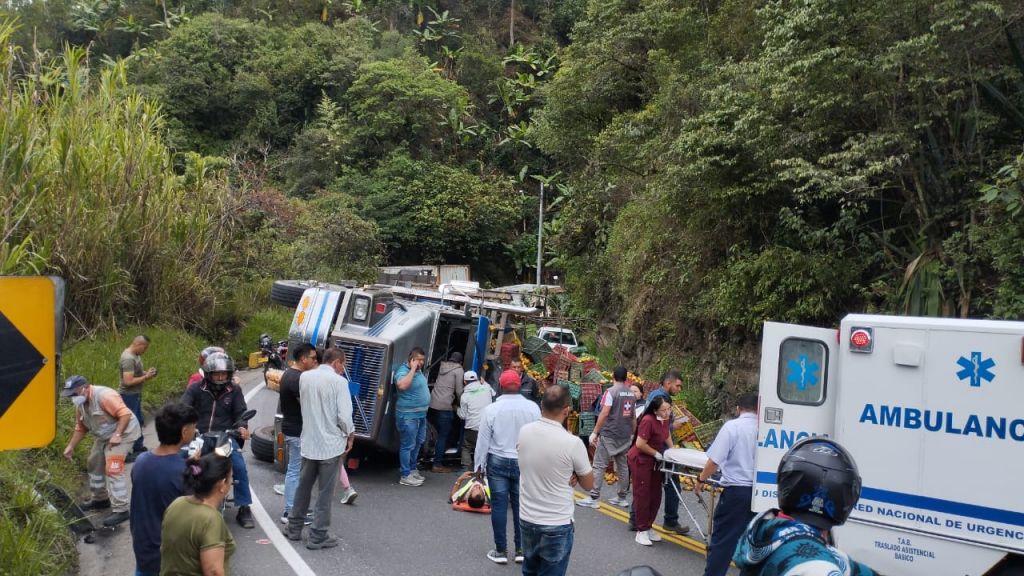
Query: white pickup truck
{"points": [[561, 337]]}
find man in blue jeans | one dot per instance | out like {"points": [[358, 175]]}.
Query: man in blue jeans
{"points": [[220, 403], [411, 414], [306, 358], [551, 462], [132, 376], [500, 424]]}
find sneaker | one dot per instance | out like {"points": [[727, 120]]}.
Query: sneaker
{"points": [[328, 542], [95, 505], [441, 470], [349, 496], [587, 502], [244, 517], [410, 480], [621, 502], [676, 528], [497, 557], [416, 473], [653, 536], [279, 489], [115, 518], [519, 556], [643, 539], [306, 522]]}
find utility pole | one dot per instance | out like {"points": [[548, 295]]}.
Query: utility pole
{"points": [[540, 234]]}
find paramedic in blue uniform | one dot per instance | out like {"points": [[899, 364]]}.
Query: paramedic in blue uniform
{"points": [[732, 453]]}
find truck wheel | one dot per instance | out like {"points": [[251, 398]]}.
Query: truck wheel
{"points": [[263, 444], [289, 292]]}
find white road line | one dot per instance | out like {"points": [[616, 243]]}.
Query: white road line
{"points": [[283, 545]]}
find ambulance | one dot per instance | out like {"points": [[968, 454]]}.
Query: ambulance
{"points": [[932, 409]]}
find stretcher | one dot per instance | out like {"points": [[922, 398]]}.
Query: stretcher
{"points": [[688, 463]]}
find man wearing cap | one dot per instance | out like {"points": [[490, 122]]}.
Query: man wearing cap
{"points": [[101, 412], [497, 452], [476, 396], [447, 390]]}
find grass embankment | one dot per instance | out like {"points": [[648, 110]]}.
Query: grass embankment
{"points": [[35, 541]]}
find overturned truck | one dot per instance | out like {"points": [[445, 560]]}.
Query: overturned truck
{"points": [[377, 326]]}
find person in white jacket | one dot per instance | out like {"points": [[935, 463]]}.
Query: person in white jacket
{"points": [[476, 396]]}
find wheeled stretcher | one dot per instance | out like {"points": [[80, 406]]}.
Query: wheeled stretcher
{"points": [[688, 463]]}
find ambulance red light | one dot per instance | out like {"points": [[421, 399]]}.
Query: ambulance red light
{"points": [[380, 308], [861, 340]]}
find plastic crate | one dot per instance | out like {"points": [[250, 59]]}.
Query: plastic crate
{"points": [[576, 371], [573, 423], [589, 394], [587, 421], [537, 349], [706, 432]]}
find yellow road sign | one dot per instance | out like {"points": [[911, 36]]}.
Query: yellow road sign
{"points": [[28, 366]]}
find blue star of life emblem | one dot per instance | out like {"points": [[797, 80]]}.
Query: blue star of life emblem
{"points": [[802, 372], [976, 369]]}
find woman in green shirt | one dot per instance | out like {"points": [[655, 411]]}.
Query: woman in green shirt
{"points": [[195, 540]]}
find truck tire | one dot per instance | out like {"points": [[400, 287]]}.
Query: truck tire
{"points": [[289, 292], [263, 444]]}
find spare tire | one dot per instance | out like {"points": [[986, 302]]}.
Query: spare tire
{"points": [[289, 292], [263, 444]]}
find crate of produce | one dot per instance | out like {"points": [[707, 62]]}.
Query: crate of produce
{"points": [[589, 393], [573, 423], [587, 421], [593, 376], [706, 432], [575, 371], [537, 349]]}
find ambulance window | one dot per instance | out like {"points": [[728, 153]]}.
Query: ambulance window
{"points": [[803, 366]]}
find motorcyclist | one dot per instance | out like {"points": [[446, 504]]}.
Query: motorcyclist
{"points": [[203, 355], [818, 486], [220, 403]]}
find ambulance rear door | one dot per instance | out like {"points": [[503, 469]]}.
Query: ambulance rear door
{"points": [[797, 397]]}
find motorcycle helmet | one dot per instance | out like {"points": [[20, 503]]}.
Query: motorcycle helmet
{"points": [[205, 353], [818, 483], [218, 362]]}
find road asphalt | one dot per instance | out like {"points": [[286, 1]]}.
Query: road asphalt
{"points": [[391, 529]]}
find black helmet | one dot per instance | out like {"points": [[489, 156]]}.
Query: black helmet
{"points": [[818, 482]]}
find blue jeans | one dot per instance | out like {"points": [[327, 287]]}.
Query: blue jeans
{"points": [[546, 549], [412, 432], [134, 403], [731, 518], [242, 495], [443, 425], [503, 479], [291, 475]]}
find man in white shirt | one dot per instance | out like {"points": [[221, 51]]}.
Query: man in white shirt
{"points": [[551, 462], [326, 434], [732, 452], [496, 451]]}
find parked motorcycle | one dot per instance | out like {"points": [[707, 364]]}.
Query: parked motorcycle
{"points": [[272, 355]]}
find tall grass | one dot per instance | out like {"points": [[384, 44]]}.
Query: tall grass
{"points": [[87, 192]]}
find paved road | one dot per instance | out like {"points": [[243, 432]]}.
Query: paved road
{"points": [[399, 530]]}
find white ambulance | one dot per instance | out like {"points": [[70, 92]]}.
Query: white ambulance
{"points": [[932, 410]]}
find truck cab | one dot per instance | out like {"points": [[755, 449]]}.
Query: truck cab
{"points": [[378, 326], [930, 410]]}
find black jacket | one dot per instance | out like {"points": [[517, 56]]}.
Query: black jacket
{"points": [[216, 412]]}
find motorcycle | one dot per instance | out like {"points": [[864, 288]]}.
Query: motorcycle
{"points": [[272, 355], [219, 442]]}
